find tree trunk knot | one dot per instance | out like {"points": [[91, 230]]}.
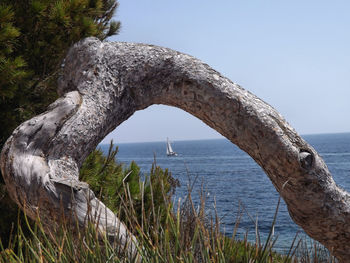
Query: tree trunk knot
{"points": [[306, 159]]}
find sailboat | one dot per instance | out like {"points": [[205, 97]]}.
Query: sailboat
{"points": [[169, 149]]}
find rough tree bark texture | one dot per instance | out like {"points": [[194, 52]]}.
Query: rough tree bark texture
{"points": [[103, 84]]}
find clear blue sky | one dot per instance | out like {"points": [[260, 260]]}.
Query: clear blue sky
{"points": [[295, 55]]}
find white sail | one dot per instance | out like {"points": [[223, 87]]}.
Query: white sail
{"points": [[169, 149]]}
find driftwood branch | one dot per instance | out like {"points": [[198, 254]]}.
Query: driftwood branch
{"points": [[103, 84]]}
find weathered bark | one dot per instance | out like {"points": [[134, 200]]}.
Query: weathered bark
{"points": [[103, 84]]}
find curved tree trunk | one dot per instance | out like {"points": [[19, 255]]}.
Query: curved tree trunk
{"points": [[103, 84]]}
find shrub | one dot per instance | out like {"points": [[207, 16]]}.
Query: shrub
{"points": [[113, 184]]}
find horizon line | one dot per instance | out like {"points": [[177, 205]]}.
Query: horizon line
{"points": [[219, 138]]}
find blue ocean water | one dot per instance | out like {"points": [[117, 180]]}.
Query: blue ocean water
{"points": [[233, 180]]}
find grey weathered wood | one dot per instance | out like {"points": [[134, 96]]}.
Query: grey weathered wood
{"points": [[103, 84]]}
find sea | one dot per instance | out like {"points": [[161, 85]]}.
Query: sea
{"points": [[234, 186]]}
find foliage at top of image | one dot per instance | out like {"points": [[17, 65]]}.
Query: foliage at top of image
{"points": [[35, 36]]}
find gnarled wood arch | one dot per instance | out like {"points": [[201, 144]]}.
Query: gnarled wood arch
{"points": [[103, 84]]}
